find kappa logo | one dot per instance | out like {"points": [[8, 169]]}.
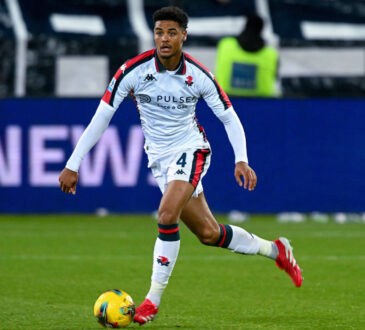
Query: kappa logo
{"points": [[123, 67], [189, 81], [163, 261], [144, 98], [180, 172], [149, 77]]}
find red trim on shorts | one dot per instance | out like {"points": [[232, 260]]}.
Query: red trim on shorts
{"points": [[201, 156]]}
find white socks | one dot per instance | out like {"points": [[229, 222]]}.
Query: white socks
{"points": [[243, 242], [239, 240], [168, 244], [156, 291], [267, 248], [164, 257]]}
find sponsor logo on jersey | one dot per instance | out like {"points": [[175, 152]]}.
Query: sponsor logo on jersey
{"points": [[163, 261], [173, 99], [180, 172], [144, 98], [111, 85], [189, 81], [149, 77]]}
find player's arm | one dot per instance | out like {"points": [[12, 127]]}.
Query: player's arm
{"points": [[236, 136], [99, 123], [218, 101], [118, 89]]}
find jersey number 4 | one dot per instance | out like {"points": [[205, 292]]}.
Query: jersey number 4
{"points": [[182, 160]]}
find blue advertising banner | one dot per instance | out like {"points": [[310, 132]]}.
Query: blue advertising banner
{"points": [[309, 155]]}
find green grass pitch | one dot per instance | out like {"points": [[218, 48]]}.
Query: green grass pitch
{"points": [[54, 267]]}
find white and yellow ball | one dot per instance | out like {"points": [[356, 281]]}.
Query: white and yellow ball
{"points": [[114, 309]]}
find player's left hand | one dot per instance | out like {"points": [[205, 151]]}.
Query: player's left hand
{"points": [[249, 175], [68, 181]]}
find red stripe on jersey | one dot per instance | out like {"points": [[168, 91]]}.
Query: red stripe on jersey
{"points": [[197, 62], [156, 64], [200, 161], [220, 90], [139, 57], [201, 128], [168, 231], [224, 235], [224, 95], [106, 97], [108, 93]]}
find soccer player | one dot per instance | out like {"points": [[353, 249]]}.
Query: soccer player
{"points": [[166, 84]]}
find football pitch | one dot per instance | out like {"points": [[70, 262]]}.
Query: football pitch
{"points": [[54, 267]]}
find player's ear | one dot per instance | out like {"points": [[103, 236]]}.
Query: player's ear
{"points": [[185, 35]]}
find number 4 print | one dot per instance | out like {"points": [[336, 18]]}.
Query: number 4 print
{"points": [[182, 160]]}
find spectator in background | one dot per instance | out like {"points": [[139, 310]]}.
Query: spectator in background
{"points": [[245, 66]]}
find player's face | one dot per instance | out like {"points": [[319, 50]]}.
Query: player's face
{"points": [[169, 38]]}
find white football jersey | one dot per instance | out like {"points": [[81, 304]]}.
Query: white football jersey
{"points": [[166, 101]]}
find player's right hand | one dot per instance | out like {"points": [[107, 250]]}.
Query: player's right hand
{"points": [[249, 176], [68, 180]]}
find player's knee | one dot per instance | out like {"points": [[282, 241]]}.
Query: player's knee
{"points": [[209, 236], [167, 217]]}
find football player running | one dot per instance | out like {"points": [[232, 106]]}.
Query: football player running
{"points": [[166, 84]]}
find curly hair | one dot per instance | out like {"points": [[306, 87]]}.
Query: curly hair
{"points": [[171, 13]]}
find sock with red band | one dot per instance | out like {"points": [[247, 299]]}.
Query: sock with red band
{"points": [[164, 257], [239, 240]]}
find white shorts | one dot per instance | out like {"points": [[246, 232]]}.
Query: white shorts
{"points": [[188, 165]]}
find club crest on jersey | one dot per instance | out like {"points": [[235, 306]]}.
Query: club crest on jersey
{"points": [[189, 80], [111, 85], [149, 77], [163, 261]]}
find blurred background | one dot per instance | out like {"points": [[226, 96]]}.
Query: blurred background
{"points": [[306, 142]]}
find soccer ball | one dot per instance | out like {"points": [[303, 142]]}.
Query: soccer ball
{"points": [[114, 309]]}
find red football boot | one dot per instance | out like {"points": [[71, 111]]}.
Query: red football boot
{"points": [[145, 312], [286, 261]]}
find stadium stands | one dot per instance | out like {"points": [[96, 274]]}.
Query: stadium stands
{"points": [[87, 32], [322, 45], [7, 52], [48, 49]]}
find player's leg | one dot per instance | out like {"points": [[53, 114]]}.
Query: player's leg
{"points": [[200, 220], [182, 171], [166, 247], [168, 241]]}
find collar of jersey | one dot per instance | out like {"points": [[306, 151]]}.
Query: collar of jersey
{"points": [[180, 71]]}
